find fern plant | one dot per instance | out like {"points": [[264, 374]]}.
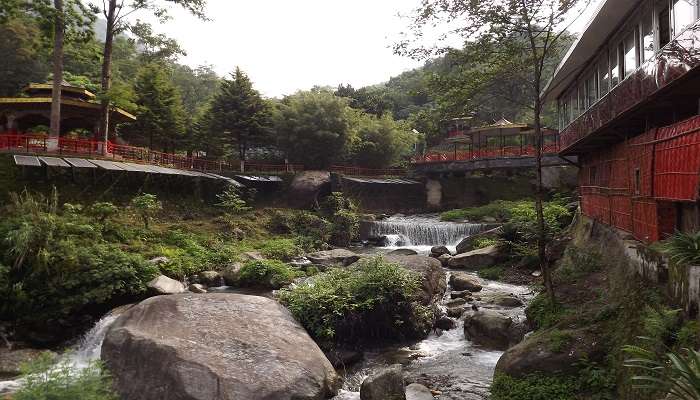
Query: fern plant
{"points": [[682, 248], [676, 374]]}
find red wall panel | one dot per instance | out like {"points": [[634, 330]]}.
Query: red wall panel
{"points": [[677, 161]]}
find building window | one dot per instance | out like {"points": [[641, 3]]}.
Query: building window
{"points": [[603, 75], [630, 54], [574, 104], [582, 105], [593, 176], [637, 181], [647, 50], [591, 93], [614, 67], [683, 15], [663, 24]]}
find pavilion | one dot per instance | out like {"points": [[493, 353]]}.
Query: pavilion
{"points": [[79, 110]]}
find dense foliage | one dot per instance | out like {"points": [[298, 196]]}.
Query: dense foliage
{"points": [[270, 274], [371, 302]]}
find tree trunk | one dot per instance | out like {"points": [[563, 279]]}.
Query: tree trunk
{"points": [[107, 73], [59, 32], [241, 152], [541, 233]]}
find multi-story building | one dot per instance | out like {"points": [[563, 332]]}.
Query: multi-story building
{"points": [[628, 96]]}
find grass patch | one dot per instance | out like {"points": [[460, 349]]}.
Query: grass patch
{"points": [[499, 210], [494, 273], [532, 387], [281, 249]]}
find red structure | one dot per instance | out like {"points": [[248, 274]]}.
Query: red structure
{"points": [[627, 95]]}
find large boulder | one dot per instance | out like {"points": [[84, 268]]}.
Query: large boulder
{"points": [[476, 259], [492, 329], [437, 251], [161, 284], [467, 244], [11, 360], [308, 187], [434, 283], [210, 278], [335, 257], [385, 384], [214, 346], [461, 281], [403, 252], [538, 353]]}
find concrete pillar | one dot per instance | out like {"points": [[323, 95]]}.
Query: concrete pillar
{"points": [[11, 123]]}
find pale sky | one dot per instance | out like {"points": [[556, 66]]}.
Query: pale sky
{"points": [[290, 45]]}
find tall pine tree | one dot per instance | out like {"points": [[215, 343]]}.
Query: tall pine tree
{"points": [[240, 115], [160, 114]]}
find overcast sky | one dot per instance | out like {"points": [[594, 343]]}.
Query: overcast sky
{"points": [[288, 45]]}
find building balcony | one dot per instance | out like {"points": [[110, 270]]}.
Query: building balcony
{"points": [[663, 90]]}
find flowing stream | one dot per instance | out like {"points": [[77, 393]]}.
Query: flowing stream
{"points": [[445, 361]]}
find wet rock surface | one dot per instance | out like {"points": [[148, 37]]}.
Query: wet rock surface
{"points": [[164, 285], [335, 257]]}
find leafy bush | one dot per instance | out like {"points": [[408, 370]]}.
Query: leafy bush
{"points": [[102, 211], [675, 375], [578, 263], [374, 301], [484, 241], [230, 200], [532, 387], [146, 205], [43, 380], [499, 209], [281, 249], [559, 340], [311, 231], [267, 273], [342, 213]]}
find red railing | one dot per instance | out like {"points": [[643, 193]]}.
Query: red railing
{"points": [[501, 152], [361, 171], [27, 143]]}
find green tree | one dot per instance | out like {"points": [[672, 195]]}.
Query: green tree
{"points": [[379, 142], [240, 115], [116, 12], [526, 34], [314, 128], [159, 112], [146, 205], [24, 55]]}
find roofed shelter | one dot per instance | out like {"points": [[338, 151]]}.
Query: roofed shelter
{"points": [[79, 110]]}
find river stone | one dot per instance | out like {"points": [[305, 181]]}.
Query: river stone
{"points": [[464, 294], [335, 257], [159, 260], [445, 323], [197, 288], [456, 302], [445, 260], [438, 251], [467, 244], [215, 346], [253, 256], [232, 274], [164, 285], [455, 312], [403, 252], [12, 360], [535, 353], [416, 391], [210, 278], [463, 281], [506, 301], [476, 259], [385, 384], [433, 282], [492, 329], [341, 358]]}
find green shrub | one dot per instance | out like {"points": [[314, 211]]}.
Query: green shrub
{"points": [[146, 206], [578, 263], [533, 387], [43, 380], [558, 340], [375, 301], [230, 200], [267, 273], [674, 375], [311, 231], [281, 249], [102, 211], [499, 209], [342, 213], [484, 241]]}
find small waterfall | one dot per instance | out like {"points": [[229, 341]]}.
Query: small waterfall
{"points": [[420, 231], [80, 356]]}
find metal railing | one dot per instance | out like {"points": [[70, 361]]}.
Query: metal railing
{"points": [[488, 153]]}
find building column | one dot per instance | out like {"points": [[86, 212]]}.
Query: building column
{"points": [[11, 128]]}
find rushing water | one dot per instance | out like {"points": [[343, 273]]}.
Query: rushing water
{"points": [[446, 362], [80, 356], [420, 232]]}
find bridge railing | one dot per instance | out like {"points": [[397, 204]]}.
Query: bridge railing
{"points": [[367, 172], [32, 143], [478, 154]]}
